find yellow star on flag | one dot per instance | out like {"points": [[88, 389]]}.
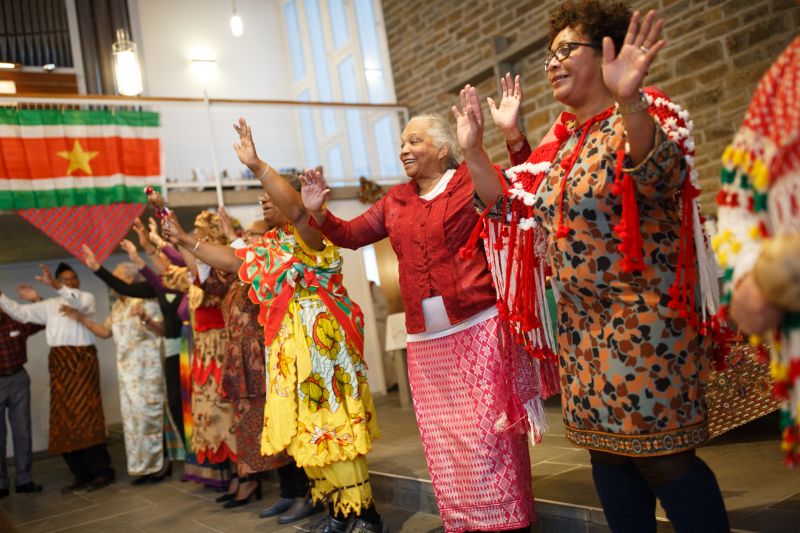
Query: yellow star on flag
{"points": [[78, 159]]}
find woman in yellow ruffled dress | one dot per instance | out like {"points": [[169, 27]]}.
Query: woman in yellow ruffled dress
{"points": [[319, 407]]}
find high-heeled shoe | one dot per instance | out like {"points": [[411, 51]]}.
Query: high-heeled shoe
{"points": [[238, 503], [228, 496], [157, 478]]}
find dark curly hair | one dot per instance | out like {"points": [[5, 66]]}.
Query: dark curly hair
{"points": [[594, 18]]}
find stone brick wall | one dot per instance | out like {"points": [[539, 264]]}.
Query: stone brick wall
{"points": [[716, 53]]}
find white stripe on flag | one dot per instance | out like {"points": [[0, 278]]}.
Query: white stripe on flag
{"points": [[78, 182], [80, 131]]}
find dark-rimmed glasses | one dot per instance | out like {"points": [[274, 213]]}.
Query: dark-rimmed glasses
{"points": [[563, 51]]}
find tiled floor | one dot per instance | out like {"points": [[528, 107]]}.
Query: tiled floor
{"points": [[759, 493]]}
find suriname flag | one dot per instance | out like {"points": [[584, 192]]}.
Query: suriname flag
{"points": [[78, 175]]}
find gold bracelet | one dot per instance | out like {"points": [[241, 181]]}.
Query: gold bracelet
{"points": [[263, 174], [629, 109]]}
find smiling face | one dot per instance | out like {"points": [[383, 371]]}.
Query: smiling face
{"points": [[421, 158], [272, 215], [578, 80], [69, 278]]}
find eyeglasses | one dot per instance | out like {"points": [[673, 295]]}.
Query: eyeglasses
{"points": [[563, 51]]}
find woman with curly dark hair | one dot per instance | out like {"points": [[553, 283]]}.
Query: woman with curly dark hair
{"points": [[606, 204]]}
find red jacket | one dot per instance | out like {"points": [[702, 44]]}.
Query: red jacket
{"points": [[426, 236]]}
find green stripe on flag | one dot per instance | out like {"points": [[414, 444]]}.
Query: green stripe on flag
{"points": [[74, 117], [73, 197]]}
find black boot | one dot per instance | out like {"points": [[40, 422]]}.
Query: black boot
{"points": [[329, 524], [693, 502], [362, 526], [628, 502]]}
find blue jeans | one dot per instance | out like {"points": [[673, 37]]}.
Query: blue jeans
{"points": [[15, 397]]}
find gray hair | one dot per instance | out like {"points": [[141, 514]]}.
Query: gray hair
{"points": [[130, 270], [442, 135]]}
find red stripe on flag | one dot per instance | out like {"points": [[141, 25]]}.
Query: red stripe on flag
{"points": [[98, 226], [38, 158]]}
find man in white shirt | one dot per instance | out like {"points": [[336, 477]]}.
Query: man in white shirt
{"points": [[77, 425]]}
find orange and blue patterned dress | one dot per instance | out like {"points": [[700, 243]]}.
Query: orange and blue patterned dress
{"points": [[633, 372]]}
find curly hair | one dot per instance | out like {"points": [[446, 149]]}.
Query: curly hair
{"points": [[594, 18], [208, 222]]}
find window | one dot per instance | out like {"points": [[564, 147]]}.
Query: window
{"points": [[344, 43]]}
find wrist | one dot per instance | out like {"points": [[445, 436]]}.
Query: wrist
{"points": [[513, 135], [627, 105], [260, 169]]}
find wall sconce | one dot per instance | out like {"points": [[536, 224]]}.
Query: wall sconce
{"points": [[204, 68], [127, 72], [237, 26]]}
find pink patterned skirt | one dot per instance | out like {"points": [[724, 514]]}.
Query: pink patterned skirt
{"points": [[481, 475]]}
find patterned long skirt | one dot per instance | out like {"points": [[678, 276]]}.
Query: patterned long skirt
{"points": [[481, 476], [249, 421], [76, 406]]}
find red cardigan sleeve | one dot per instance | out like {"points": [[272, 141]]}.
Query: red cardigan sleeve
{"points": [[520, 156], [365, 229]]}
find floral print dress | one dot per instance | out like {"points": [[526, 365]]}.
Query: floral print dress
{"points": [[141, 384], [633, 372], [319, 406]]}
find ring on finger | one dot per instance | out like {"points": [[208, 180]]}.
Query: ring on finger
{"points": [[643, 48]]}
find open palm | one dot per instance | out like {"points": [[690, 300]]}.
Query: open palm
{"points": [[315, 191], [624, 72], [506, 115], [245, 148], [469, 119]]}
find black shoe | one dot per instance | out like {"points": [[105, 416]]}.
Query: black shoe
{"points": [[301, 508], [141, 480], [225, 498], [100, 482], [4, 493], [238, 503], [330, 524], [279, 507], [362, 526], [28, 487], [157, 478]]}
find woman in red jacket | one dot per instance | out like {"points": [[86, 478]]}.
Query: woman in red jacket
{"points": [[476, 393]]}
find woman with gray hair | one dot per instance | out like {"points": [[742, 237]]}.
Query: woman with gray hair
{"points": [[476, 392], [137, 326]]}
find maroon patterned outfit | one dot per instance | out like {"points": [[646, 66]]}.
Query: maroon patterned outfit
{"points": [[244, 380]]}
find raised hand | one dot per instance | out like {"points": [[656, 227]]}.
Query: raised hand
{"points": [[154, 236], [130, 249], [469, 120], [89, 259], [47, 277], [227, 225], [173, 231], [71, 312], [506, 116], [245, 149], [624, 71], [28, 293], [314, 190]]}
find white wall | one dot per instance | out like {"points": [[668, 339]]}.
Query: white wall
{"points": [[356, 282], [12, 275], [170, 34]]}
